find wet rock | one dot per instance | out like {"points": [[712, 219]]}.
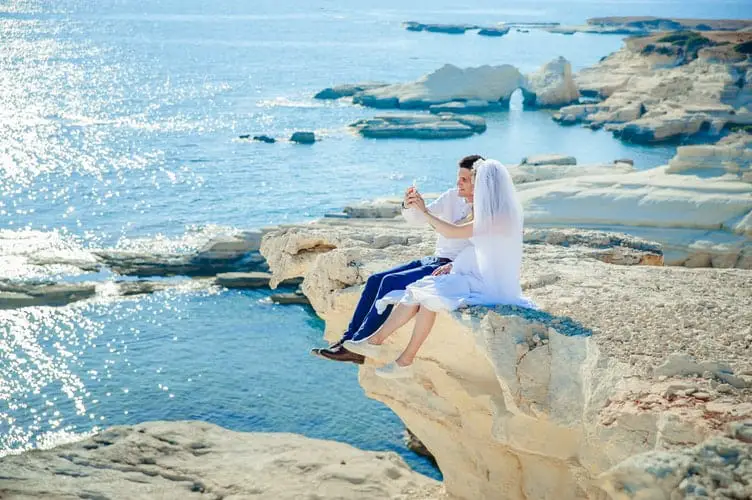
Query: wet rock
{"points": [[416, 445], [493, 32], [264, 138], [15, 295], [303, 137], [290, 298], [243, 280], [129, 288]]}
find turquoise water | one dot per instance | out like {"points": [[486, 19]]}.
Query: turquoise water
{"points": [[117, 126]]}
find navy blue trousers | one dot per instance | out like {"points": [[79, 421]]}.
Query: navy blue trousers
{"points": [[366, 320]]}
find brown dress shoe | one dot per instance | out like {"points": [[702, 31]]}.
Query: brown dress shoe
{"points": [[317, 350], [339, 353]]}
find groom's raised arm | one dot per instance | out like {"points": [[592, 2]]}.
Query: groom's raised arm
{"points": [[415, 217]]}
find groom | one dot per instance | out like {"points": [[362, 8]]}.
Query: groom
{"points": [[453, 206]]}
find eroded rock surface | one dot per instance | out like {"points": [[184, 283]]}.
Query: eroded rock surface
{"points": [[184, 460]]}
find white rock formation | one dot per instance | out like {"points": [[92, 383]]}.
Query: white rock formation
{"points": [[699, 221], [449, 83], [731, 156], [652, 97], [519, 404], [484, 88], [553, 85], [184, 460]]}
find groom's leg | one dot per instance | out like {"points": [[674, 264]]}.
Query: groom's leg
{"points": [[395, 281], [370, 295]]}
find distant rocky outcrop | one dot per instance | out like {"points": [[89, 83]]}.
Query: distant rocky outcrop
{"points": [[667, 87], [473, 90], [420, 126], [197, 460], [644, 25], [456, 29], [523, 404]]}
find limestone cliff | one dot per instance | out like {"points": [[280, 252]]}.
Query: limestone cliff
{"points": [[622, 359]]}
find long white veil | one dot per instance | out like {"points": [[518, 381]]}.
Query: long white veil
{"points": [[497, 235]]}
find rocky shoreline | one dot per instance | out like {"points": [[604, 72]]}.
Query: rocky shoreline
{"points": [[184, 460], [624, 359]]}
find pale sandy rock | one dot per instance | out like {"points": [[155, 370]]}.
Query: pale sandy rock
{"points": [[449, 83], [679, 211], [183, 460], [549, 159], [652, 98], [525, 173], [553, 85], [526, 404], [732, 155], [718, 468]]}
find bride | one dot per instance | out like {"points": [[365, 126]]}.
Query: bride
{"points": [[485, 273]]}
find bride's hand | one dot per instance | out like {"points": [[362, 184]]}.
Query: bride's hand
{"points": [[414, 199], [445, 269]]}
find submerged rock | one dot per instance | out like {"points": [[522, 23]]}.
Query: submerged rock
{"points": [[264, 138], [419, 126], [196, 460]]}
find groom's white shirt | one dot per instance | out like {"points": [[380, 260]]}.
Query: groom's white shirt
{"points": [[451, 207]]}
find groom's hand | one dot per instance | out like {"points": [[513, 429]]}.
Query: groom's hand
{"points": [[445, 269]]}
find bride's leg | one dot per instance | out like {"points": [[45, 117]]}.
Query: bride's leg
{"points": [[423, 323], [399, 316]]}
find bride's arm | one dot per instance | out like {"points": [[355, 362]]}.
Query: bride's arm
{"points": [[448, 229], [442, 227]]}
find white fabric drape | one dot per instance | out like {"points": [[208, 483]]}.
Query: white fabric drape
{"points": [[488, 272]]}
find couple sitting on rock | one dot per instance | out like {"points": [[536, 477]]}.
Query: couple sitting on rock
{"points": [[477, 262]]}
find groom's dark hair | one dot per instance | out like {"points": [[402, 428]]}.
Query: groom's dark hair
{"points": [[468, 161]]}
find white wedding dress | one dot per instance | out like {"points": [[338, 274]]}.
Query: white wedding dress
{"points": [[488, 271]]}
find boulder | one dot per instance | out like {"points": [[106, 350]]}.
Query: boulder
{"points": [[552, 86], [303, 137], [197, 460]]}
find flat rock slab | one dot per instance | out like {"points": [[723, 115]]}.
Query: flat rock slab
{"points": [[13, 296], [290, 298], [420, 126], [244, 280], [187, 460], [551, 159]]}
